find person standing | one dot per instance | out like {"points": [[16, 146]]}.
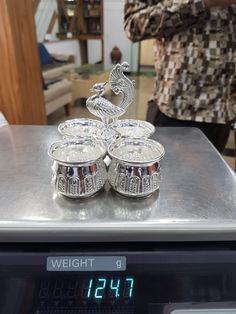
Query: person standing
{"points": [[195, 55]]}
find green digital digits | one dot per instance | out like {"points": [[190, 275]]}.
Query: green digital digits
{"points": [[90, 287], [131, 287], [100, 288], [115, 287]]}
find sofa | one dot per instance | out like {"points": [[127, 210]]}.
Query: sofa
{"points": [[57, 89], [54, 65], [57, 95]]}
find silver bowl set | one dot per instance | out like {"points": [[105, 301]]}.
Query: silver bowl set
{"points": [[132, 160], [79, 169]]}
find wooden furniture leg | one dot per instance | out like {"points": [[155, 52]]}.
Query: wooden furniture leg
{"points": [[67, 109]]}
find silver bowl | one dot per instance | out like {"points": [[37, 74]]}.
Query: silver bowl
{"points": [[78, 168], [133, 128], [135, 166], [78, 128]]}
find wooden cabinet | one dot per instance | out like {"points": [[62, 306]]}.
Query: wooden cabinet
{"points": [[68, 19], [81, 19], [91, 18], [90, 25]]}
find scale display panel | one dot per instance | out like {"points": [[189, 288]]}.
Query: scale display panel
{"points": [[125, 282]]}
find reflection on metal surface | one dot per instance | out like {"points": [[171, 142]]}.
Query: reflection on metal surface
{"points": [[106, 205], [128, 209], [85, 209]]}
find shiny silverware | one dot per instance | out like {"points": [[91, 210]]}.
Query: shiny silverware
{"points": [[78, 128], [78, 168], [135, 166], [133, 128]]}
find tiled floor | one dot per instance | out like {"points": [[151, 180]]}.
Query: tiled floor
{"points": [[137, 110]]}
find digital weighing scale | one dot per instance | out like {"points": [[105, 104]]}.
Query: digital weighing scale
{"points": [[171, 253]]}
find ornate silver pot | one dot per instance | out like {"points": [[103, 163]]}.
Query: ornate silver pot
{"points": [[80, 128], [135, 166], [78, 167], [133, 128]]}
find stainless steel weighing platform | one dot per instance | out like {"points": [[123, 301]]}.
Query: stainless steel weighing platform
{"points": [[196, 202]]}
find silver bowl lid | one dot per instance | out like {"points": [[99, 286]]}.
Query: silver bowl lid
{"points": [[77, 151], [133, 128], [136, 151], [80, 127]]}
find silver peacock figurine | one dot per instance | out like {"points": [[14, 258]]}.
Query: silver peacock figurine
{"points": [[120, 84]]}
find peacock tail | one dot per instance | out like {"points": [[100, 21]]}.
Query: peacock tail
{"points": [[121, 84]]}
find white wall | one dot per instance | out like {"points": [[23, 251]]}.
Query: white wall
{"points": [[114, 35], [94, 51], [43, 17], [65, 46], [72, 47]]}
